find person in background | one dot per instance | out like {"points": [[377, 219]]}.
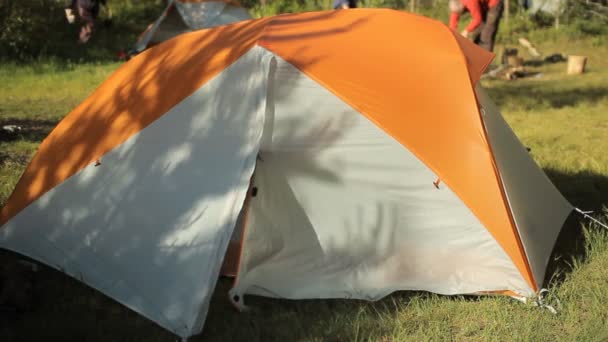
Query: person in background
{"points": [[88, 10], [344, 4], [485, 17]]}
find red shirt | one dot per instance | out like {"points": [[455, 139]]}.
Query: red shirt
{"points": [[474, 7]]}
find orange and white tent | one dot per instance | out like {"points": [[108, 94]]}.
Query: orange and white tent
{"points": [[357, 145], [181, 16]]}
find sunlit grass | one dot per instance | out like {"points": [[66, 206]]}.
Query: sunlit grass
{"points": [[47, 90]]}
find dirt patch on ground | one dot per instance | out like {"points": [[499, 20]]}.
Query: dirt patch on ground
{"points": [[28, 129]]}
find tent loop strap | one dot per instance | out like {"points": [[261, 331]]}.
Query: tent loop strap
{"points": [[541, 301], [436, 183], [237, 301], [586, 215]]}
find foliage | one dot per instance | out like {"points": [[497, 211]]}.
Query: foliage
{"points": [[587, 17], [23, 24], [38, 29], [35, 29], [274, 7]]}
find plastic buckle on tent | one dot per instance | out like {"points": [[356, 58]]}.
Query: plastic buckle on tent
{"points": [[97, 162], [436, 183]]}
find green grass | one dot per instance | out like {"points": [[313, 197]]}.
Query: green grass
{"points": [[36, 97], [563, 119]]}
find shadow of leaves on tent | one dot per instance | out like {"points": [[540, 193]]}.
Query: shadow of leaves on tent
{"points": [[279, 36], [303, 162], [531, 96], [122, 106], [274, 319]]}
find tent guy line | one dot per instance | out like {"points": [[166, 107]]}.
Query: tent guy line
{"points": [[586, 215]]}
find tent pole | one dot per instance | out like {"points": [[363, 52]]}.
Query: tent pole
{"points": [[244, 228]]}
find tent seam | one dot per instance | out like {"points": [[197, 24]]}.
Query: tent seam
{"points": [[505, 199], [235, 204], [494, 165]]}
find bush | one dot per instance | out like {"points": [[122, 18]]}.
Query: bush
{"points": [[33, 29], [267, 8], [25, 26], [586, 18]]}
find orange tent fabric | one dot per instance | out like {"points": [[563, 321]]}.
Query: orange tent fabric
{"points": [[381, 166], [329, 47]]}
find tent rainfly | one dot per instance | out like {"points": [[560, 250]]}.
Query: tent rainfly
{"points": [[357, 145], [181, 16]]}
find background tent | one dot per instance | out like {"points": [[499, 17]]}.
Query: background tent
{"points": [[182, 16], [553, 7], [356, 177]]}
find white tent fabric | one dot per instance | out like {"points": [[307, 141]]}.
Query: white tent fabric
{"points": [[196, 15], [553, 7], [154, 240], [539, 210], [147, 36], [343, 210]]}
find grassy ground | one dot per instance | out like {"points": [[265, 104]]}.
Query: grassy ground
{"points": [[563, 119]]}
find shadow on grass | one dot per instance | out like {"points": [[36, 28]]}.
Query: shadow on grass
{"points": [[65, 309], [59, 307], [271, 319], [532, 96], [32, 130], [587, 191]]}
